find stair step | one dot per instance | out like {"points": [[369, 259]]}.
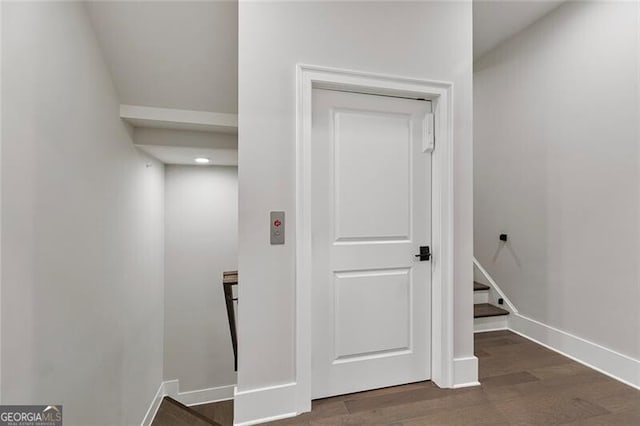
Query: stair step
{"points": [[221, 411], [174, 413], [479, 287], [481, 297], [481, 310]]}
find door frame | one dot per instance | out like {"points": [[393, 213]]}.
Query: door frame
{"points": [[440, 93]]}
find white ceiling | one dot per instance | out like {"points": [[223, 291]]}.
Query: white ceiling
{"points": [[171, 54], [186, 155], [183, 146], [497, 20], [184, 54]]}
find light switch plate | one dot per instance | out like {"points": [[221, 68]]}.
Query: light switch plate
{"points": [[277, 227]]}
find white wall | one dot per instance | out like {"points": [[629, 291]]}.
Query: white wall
{"points": [[201, 242], [430, 40], [82, 228], [557, 167]]}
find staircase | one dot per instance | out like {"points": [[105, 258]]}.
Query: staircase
{"points": [[173, 413], [487, 316]]}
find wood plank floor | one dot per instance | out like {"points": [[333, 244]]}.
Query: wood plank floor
{"points": [[481, 310], [522, 384], [173, 413], [219, 412]]}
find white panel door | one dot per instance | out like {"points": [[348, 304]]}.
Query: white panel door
{"points": [[371, 211]]}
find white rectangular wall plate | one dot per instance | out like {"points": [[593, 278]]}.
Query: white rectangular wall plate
{"points": [[277, 227]]}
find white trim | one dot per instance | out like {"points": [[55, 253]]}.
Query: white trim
{"points": [[206, 396], [607, 361], [510, 306], [483, 325], [171, 388], [189, 398], [266, 404], [181, 119], [155, 404], [440, 93], [611, 363], [465, 372]]}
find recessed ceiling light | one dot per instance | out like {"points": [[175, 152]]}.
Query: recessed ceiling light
{"points": [[202, 160]]}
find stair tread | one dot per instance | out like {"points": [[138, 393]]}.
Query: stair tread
{"points": [[481, 310], [221, 411], [479, 286], [174, 413]]}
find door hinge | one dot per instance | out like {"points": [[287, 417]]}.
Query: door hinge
{"points": [[429, 141]]}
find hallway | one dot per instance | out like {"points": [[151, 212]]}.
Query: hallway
{"points": [[361, 163], [522, 383]]}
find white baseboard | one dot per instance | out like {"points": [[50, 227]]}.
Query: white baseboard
{"points": [[482, 325], [465, 372], [172, 388], [613, 364], [262, 405], [206, 396], [607, 361], [155, 404]]}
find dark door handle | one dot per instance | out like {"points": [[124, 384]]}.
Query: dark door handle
{"points": [[425, 253]]}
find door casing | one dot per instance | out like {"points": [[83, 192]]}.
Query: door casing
{"points": [[440, 94]]}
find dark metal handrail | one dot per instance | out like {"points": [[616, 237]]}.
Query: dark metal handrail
{"points": [[229, 279]]}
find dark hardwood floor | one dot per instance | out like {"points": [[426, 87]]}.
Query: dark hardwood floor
{"points": [[481, 310], [220, 412], [522, 384], [173, 413]]}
